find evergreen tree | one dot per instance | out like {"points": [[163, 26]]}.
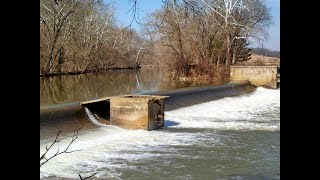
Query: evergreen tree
{"points": [[241, 52]]}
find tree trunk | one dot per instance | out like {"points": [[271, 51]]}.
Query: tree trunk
{"points": [[61, 58], [234, 56], [228, 53]]}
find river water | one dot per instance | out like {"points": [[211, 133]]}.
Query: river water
{"points": [[71, 88], [230, 138]]}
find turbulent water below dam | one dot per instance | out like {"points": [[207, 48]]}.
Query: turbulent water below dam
{"points": [[229, 138]]}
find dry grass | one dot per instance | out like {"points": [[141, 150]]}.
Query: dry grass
{"points": [[260, 60]]}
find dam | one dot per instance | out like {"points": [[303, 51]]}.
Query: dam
{"points": [[227, 131], [96, 113]]}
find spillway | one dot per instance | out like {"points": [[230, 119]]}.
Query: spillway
{"points": [[71, 116], [234, 137]]}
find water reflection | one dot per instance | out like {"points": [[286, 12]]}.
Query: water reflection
{"points": [[63, 89]]}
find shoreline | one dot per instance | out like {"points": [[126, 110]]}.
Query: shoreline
{"points": [[88, 71]]}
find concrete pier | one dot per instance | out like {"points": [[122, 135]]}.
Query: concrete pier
{"points": [[137, 112]]}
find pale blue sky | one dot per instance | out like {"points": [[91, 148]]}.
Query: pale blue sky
{"points": [[147, 6]]}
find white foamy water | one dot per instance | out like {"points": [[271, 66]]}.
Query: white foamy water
{"points": [[101, 149], [252, 111], [106, 150]]}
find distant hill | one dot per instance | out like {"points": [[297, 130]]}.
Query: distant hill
{"points": [[260, 60], [265, 52]]}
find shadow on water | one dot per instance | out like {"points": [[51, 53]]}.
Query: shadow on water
{"points": [[168, 123]]}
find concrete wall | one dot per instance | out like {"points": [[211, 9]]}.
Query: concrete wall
{"points": [[257, 75], [136, 112], [128, 113]]}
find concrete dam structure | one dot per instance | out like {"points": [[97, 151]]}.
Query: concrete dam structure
{"points": [[139, 111], [257, 75]]}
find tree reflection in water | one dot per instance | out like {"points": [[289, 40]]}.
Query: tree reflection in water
{"points": [[70, 88]]}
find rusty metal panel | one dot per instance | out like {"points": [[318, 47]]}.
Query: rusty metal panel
{"points": [[156, 114]]}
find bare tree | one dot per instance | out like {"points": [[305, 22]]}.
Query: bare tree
{"points": [[249, 17], [82, 36], [56, 26], [207, 33]]}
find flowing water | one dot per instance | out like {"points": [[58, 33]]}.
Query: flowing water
{"points": [[230, 138]]}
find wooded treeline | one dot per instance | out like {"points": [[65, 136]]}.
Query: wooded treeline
{"points": [[189, 37], [266, 52], [82, 35]]}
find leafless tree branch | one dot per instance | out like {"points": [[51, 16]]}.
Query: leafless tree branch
{"points": [[45, 159], [81, 178]]}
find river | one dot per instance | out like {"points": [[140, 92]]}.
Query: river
{"points": [[70, 88], [230, 138]]}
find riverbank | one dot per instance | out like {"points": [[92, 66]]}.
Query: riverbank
{"points": [[86, 71]]}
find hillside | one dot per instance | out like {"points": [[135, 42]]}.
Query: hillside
{"points": [[266, 52], [259, 60]]}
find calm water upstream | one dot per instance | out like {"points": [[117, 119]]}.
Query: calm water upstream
{"points": [[64, 89], [230, 138]]}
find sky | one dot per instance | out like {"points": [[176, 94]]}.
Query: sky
{"points": [[146, 6]]}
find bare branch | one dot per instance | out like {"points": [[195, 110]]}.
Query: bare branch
{"points": [[213, 8], [47, 149], [81, 178], [43, 156]]}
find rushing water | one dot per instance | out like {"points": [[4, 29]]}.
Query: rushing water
{"points": [[230, 138], [65, 89]]}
